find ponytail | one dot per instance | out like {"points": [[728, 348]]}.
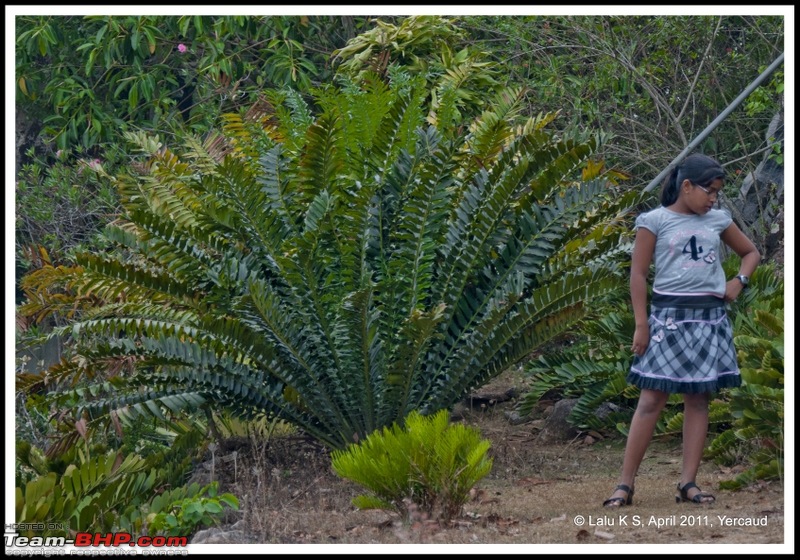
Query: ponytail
{"points": [[669, 188]]}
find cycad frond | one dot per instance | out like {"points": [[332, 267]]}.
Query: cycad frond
{"points": [[492, 131], [348, 269]]}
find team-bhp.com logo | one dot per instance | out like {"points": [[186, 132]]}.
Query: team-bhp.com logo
{"points": [[92, 541]]}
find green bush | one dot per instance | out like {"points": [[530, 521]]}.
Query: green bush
{"points": [[339, 269], [429, 463], [92, 76], [75, 486], [102, 493], [186, 516], [754, 436]]}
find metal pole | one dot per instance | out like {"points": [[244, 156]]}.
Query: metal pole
{"points": [[702, 136]]}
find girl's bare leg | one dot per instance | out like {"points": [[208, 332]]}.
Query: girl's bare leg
{"points": [[695, 430], [651, 403]]}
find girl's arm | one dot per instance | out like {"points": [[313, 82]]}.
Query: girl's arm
{"points": [[643, 249], [742, 246]]}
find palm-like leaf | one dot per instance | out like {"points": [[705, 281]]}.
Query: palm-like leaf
{"points": [[361, 267]]}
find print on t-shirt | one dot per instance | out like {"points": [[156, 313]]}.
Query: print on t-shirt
{"points": [[692, 244]]}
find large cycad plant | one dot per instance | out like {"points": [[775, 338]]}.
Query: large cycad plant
{"points": [[340, 269]]}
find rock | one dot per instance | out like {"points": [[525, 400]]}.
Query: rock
{"points": [[234, 534], [605, 409], [758, 206], [556, 427], [218, 536], [514, 418]]}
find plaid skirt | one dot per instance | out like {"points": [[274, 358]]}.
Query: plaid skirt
{"points": [[690, 351]]}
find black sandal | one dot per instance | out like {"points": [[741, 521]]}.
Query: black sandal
{"points": [[697, 498], [620, 501]]}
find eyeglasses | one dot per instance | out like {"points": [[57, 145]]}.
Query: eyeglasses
{"points": [[710, 193]]}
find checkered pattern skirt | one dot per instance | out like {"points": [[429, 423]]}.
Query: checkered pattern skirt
{"points": [[690, 351]]}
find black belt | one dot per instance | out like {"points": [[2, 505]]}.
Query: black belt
{"points": [[697, 302]]}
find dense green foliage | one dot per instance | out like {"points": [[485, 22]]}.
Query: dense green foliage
{"points": [[82, 79], [90, 76], [755, 435], [460, 76], [87, 487], [635, 75], [185, 516], [341, 270], [427, 462]]}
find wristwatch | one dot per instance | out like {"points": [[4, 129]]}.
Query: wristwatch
{"points": [[743, 279]]}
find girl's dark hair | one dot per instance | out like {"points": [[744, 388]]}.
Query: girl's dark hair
{"points": [[698, 168]]}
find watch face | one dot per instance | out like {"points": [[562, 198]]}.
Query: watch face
{"points": [[744, 279]]}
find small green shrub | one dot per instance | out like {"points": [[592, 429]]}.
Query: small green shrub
{"points": [[428, 462], [756, 430], [186, 516], [92, 492]]}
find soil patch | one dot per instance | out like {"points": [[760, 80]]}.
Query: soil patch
{"points": [[537, 493]]}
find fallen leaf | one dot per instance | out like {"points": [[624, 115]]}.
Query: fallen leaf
{"points": [[80, 426]]}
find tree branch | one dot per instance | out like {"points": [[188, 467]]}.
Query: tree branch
{"points": [[699, 69]]}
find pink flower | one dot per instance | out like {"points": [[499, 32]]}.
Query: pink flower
{"points": [[182, 48]]}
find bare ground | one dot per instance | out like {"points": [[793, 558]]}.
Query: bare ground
{"points": [[536, 494]]}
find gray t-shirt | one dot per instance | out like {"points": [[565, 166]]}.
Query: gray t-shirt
{"points": [[686, 255]]}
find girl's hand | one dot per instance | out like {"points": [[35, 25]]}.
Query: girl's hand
{"points": [[732, 289], [641, 339]]}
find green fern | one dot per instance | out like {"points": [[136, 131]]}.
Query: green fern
{"points": [[85, 494], [756, 429], [361, 266], [595, 380], [428, 462], [104, 491]]}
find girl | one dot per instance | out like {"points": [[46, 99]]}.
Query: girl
{"points": [[686, 344]]}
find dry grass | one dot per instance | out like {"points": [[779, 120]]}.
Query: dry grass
{"points": [[535, 493]]}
